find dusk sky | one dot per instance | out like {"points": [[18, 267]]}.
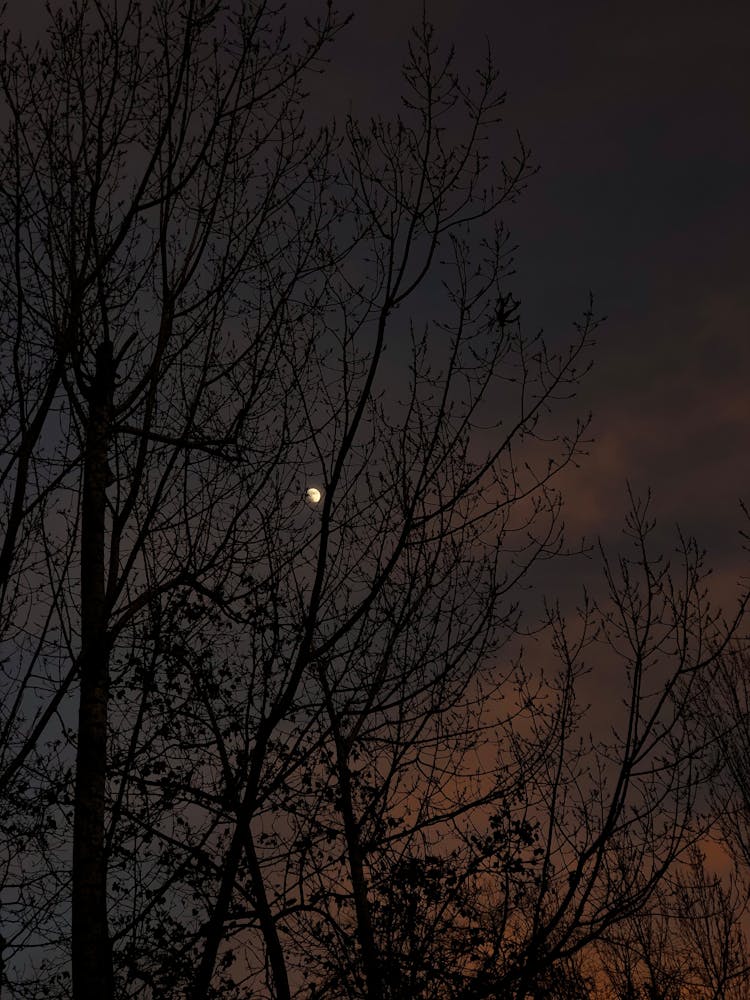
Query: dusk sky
{"points": [[323, 736], [637, 115]]}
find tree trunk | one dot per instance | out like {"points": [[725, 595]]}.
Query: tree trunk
{"points": [[274, 948], [91, 946], [365, 931]]}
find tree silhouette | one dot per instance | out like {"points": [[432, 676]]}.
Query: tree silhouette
{"points": [[688, 942], [289, 745], [723, 711]]}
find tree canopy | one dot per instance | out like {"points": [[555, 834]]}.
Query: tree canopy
{"points": [[279, 464]]}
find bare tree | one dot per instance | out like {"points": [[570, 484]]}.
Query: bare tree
{"points": [[723, 712], [576, 832], [280, 460], [151, 247], [688, 942]]}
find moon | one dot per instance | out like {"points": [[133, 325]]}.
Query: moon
{"points": [[313, 494]]}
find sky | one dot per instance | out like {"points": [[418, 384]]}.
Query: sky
{"points": [[637, 115]]}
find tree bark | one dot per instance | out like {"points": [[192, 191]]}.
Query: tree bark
{"points": [[274, 948], [356, 858], [91, 945]]}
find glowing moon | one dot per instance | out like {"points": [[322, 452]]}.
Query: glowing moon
{"points": [[313, 495]]}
